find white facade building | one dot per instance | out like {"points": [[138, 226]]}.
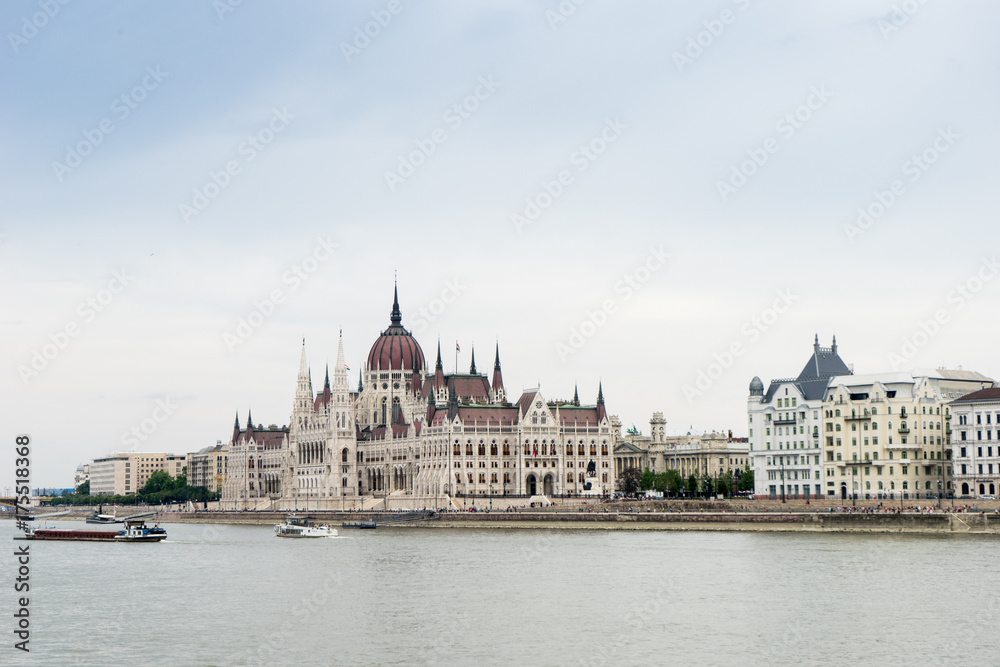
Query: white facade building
{"points": [[976, 443], [784, 427]]}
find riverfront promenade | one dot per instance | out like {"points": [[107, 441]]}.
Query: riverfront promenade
{"points": [[685, 515]]}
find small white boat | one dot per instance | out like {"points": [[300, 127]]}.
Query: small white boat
{"points": [[301, 527]]}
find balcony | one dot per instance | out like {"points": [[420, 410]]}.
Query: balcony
{"points": [[784, 422], [904, 429], [857, 418]]}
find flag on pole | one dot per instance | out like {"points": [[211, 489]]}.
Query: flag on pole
{"points": [[457, 348], [346, 367]]}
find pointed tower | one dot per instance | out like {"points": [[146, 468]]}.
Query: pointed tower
{"points": [[472, 368], [601, 412], [576, 395], [236, 428], [499, 395], [249, 422], [440, 386], [303, 390]]}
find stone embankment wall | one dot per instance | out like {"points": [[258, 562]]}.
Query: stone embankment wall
{"points": [[610, 520]]}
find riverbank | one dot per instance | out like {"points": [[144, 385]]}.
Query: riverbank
{"points": [[815, 522]]}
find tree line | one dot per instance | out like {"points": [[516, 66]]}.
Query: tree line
{"points": [[160, 488], [672, 483]]}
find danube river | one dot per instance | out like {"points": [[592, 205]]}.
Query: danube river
{"points": [[236, 595]]}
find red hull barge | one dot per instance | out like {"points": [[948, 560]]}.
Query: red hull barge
{"points": [[135, 531]]}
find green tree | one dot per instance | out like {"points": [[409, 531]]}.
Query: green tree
{"points": [[724, 485], [675, 483], [746, 480], [708, 484], [692, 485], [648, 479], [630, 481], [84, 489], [158, 481]]}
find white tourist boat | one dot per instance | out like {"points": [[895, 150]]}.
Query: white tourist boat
{"points": [[301, 527]]}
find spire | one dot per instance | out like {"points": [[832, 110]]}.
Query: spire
{"points": [[834, 348], [499, 396], [439, 366], [361, 386], [303, 363], [303, 389], [326, 383], [249, 420], [340, 370], [576, 395], [395, 317], [600, 393], [816, 344], [472, 369], [236, 425]]}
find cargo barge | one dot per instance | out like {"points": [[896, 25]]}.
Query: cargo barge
{"points": [[135, 531]]}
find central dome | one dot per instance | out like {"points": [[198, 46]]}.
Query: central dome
{"points": [[396, 349]]}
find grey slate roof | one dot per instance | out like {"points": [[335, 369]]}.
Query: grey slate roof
{"points": [[825, 363]]}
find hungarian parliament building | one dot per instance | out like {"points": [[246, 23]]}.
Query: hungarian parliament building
{"points": [[413, 433]]}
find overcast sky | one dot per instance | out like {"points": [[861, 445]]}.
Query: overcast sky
{"points": [[660, 196]]}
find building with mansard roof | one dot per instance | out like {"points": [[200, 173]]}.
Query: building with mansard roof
{"points": [[412, 432], [784, 427]]}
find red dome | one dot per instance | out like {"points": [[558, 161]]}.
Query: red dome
{"points": [[396, 349]]}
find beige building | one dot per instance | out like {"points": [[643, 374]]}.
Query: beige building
{"points": [[207, 467], [127, 472], [888, 436], [713, 454]]}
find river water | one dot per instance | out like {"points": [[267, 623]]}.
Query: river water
{"points": [[236, 595]]}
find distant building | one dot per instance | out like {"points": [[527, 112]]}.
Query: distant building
{"points": [[713, 454], [785, 423], [127, 472], [976, 443], [888, 435], [207, 467], [82, 475]]}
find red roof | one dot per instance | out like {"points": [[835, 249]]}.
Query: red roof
{"points": [[991, 394]]}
